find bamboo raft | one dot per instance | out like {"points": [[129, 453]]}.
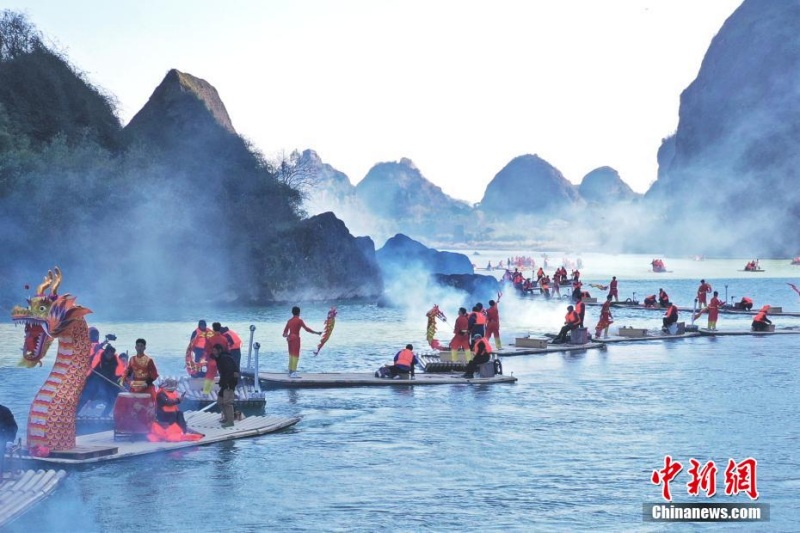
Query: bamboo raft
{"points": [[728, 310], [512, 350], [21, 490], [652, 335], [246, 399], [100, 447], [363, 379], [723, 333]]}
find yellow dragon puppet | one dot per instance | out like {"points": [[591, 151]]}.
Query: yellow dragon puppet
{"points": [[51, 421]]}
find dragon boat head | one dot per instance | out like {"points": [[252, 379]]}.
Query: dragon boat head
{"points": [[45, 318]]}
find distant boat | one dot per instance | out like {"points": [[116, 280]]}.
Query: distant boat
{"points": [[796, 261]]}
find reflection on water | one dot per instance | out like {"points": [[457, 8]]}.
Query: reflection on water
{"points": [[570, 446]]}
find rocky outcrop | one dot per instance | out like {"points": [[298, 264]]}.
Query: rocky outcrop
{"points": [[603, 186], [402, 255], [320, 260], [182, 105], [735, 161], [529, 185]]}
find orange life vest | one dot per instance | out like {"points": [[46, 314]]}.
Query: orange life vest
{"points": [[480, 318], [405, 357], [488, 346], [235, 341], [201, 338], [171, 395], [572, 318], [760, 317]]}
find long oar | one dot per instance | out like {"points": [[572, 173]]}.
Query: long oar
{"points": [[112, 382]]}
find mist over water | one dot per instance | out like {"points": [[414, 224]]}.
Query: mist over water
{"points": [[571, 445]]}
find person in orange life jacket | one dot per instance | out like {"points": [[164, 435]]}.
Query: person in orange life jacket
{"points": [[141, 371], [650, 301], [477, 322], [228, 379], [234, 343], [760, 322], [94, 339], [493, 323], [670, 317], [292, 334], [199, 344], [571, 321], [580, 308], [482, 350], [663, 298], [746, 303], [702, 292], [404, 362], [612, 288], [101, 385], [167, 401], [460, 339]]}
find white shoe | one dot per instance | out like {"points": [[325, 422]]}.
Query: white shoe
{"points": [[294, 375]]}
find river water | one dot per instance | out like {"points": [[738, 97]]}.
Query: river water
{"points": [[571, 446]]}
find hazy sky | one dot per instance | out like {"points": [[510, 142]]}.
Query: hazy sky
{"points": [[459, 87]]}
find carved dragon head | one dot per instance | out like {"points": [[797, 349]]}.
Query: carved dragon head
{"points": [[46, 317]]}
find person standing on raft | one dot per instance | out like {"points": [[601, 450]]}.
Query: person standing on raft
{"points": [[605, 319], [292, 335], [493, 323], [460, 339], [702, 291]]}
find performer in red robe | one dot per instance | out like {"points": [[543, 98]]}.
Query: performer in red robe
{"points": [[605, 319], [460, 335], [292, 334], [141, 371]]}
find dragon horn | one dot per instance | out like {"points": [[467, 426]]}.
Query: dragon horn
{"points": [[56, 281], [45, 283]]}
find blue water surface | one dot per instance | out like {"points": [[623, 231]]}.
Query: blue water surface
{"points": [[570, 446]]}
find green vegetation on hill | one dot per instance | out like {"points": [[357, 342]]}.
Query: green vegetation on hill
{"points": [[174, 207]]}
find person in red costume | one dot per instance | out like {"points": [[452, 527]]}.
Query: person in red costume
{"points": [[605, 319], [292, 334], [493, 323], [702, 291], [460, 339], [141, 371], [612, 289]]}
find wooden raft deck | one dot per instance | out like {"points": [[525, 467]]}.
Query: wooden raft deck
{"points": [[729, 332], [359, 379], [99, 447], [652, 336], [22, 490], [511, 350]]}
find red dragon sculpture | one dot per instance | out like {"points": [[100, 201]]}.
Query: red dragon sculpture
{"points": [[51, 421]]}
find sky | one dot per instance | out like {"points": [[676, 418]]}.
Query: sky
{"points": [[458, 87]]}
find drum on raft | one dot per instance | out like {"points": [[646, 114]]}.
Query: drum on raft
{"points": [[134, 413]]}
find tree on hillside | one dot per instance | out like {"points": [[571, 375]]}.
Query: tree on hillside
{"points": [[294, 171], [17, 36]]}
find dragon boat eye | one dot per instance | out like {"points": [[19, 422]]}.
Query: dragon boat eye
{"points": [[42, 308]]}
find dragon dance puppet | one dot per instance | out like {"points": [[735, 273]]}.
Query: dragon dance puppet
{"points": [[48, 316], [330, 322], [432, 315]]}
